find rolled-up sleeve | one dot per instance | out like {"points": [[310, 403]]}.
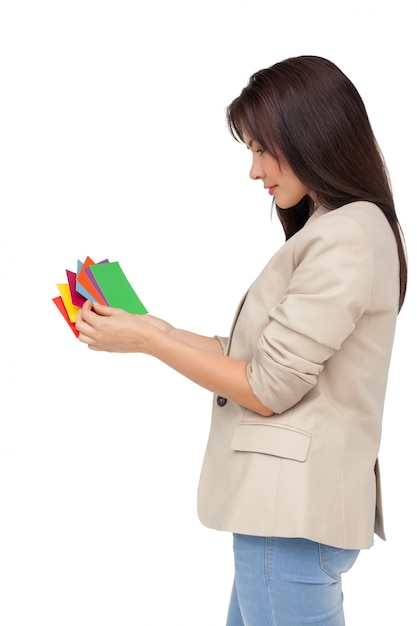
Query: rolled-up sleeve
{"points": [[222, 341], [329, 290]]}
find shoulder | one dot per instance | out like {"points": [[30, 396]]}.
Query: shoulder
{"points": [[353, 241], [358, 224], [356, 216]]}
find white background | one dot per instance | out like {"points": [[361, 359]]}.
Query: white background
{"points": [[114, 145]]}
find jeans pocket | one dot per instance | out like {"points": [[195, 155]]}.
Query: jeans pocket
{"points": [[336, 561]]}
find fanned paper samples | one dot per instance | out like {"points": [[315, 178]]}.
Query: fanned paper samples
{"points": [[103, 282]]}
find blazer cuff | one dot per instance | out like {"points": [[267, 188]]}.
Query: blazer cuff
{"points": [[222, 341]]}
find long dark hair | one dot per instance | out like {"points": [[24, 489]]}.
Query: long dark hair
{"points": [[307, 110]]}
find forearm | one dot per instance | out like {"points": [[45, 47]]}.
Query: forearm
{"points": [[208, 344], [199, 358], [210, 369]]}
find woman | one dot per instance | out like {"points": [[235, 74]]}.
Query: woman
{"points": [[291, 466]]}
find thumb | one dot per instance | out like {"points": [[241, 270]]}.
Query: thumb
{"points": [[101, 309]]}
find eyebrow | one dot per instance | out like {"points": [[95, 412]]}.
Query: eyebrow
{"points": [[249, 145]]}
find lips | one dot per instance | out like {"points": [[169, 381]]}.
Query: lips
{"points": [[271, 190]]}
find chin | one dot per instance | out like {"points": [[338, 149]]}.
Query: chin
{"points": [[284, 206]]}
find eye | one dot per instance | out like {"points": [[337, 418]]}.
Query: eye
{"points": [[255, 147]]}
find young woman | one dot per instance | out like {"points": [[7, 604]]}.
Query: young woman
{"points": [[291, 467]]}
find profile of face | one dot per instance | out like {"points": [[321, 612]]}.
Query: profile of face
{"points": [[278, 178]]}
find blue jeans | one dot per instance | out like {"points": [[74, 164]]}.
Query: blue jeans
{"points": [[287, 582]]}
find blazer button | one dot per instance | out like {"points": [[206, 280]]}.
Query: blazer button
{"points": [[221, 401]]}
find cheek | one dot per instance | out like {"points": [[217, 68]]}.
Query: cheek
{"points": [[303, 189], [297, 185]]}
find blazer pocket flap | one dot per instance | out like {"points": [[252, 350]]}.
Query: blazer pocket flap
{"points": [[283, 441]]}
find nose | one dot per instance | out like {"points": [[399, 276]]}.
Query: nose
{"points": [[256, 172]]}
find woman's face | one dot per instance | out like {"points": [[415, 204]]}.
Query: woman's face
{"points": [[278, 178]]}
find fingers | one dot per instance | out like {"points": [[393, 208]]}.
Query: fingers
{"points": [[90, 310], [101, 309], [85, 321], [87, 306], [106, 328], [93, 326]]}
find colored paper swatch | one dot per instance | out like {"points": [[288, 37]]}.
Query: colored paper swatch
{"points": [[95, 284], [59, 303], [88, 287], [102, 282], [76, 298], [116, 288], [71, 309]]}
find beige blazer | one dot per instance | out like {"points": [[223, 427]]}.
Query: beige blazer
{"points": [[316, 329]]}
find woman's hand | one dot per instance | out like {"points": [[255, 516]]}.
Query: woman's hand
{"points": [[115, 330]]}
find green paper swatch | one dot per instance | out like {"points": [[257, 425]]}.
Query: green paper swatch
{"points": [[117, 290]]}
